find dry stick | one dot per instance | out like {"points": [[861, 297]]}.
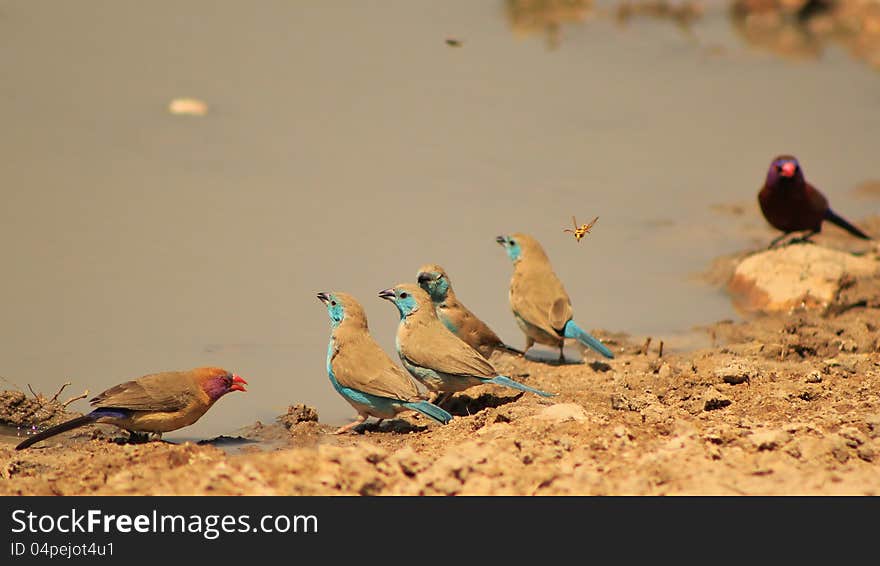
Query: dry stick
{"points": [[34, 393], [647, 344], [660, 351], [57, 393], [82, 395]]}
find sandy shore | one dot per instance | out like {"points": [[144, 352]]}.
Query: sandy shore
{"points": [[784, 403]]}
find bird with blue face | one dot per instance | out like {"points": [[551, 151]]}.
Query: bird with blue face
{"points": [[436, 357], [363, 373], [457, 317], [540, 305]]}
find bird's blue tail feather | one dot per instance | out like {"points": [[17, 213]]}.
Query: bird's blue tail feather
{"points": [[503, 380], [430, 410], [572, 330]]}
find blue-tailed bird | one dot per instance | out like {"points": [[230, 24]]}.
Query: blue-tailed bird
{"points": [[791, 204], [155, 403], [457, 317], [363, 373], [540, 305], [435, 356]]}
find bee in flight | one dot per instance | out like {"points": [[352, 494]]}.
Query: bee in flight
{"points": [[582, 230]]}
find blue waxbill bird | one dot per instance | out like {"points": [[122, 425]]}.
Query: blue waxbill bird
{"points": [[540, 305], [363, 373], [435, 356], [457, 317]]}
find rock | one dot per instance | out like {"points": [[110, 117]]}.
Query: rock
{"points": [[866, 453], [713, 399], [188, 107], [296, 414], [620, 402], [735, 372], [814, 377], [845, 365], [770, 439], [563, 412], [795, 275], [852, 436]]}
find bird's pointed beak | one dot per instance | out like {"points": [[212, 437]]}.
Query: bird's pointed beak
{"points": [[501, 240], [788, 169], [238, 383], [387, 294], [324, 297], [424, 277]]}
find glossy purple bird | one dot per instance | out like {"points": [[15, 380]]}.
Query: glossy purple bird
{"points": [[791, 204]]}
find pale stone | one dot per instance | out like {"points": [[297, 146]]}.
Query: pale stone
{"points": [[800, 275]]}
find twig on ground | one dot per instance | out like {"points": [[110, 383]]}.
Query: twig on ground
{"points": [[57, 393], [82, 395]]}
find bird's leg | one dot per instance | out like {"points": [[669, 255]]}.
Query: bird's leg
{"points": [[776, 240], [562, 353], [443, 398], [351, 425], [137, 438], [805, 238], [529, 343], [157, 436]]}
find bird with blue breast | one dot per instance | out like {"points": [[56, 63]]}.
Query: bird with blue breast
{"points": [[457, 317], [361, 371], [539, 302], [436, 357]]}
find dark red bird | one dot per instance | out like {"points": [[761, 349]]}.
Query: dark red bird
{"points": [[791, 204]]}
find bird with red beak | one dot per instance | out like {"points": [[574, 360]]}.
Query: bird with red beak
{"points": [[791, 204], [154, 403]]}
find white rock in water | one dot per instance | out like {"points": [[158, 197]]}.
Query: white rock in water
{"points": [[796, 275], [188, 106]]}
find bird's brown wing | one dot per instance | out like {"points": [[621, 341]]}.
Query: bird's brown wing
{"points": [[360, 363], [470, 328], [540, 299], [433, 346], [168, 391]]}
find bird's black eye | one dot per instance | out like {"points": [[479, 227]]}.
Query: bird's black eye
{"points": [[512, 243], [404, 295], [333, 303]]}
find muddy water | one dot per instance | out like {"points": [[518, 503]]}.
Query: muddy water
{"points": [[348, 143]]}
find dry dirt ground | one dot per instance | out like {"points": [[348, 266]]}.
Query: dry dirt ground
{"points": [[780, 404]]}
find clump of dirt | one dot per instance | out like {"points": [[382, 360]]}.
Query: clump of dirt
{"points": [[296, 414], [22, 411]]}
